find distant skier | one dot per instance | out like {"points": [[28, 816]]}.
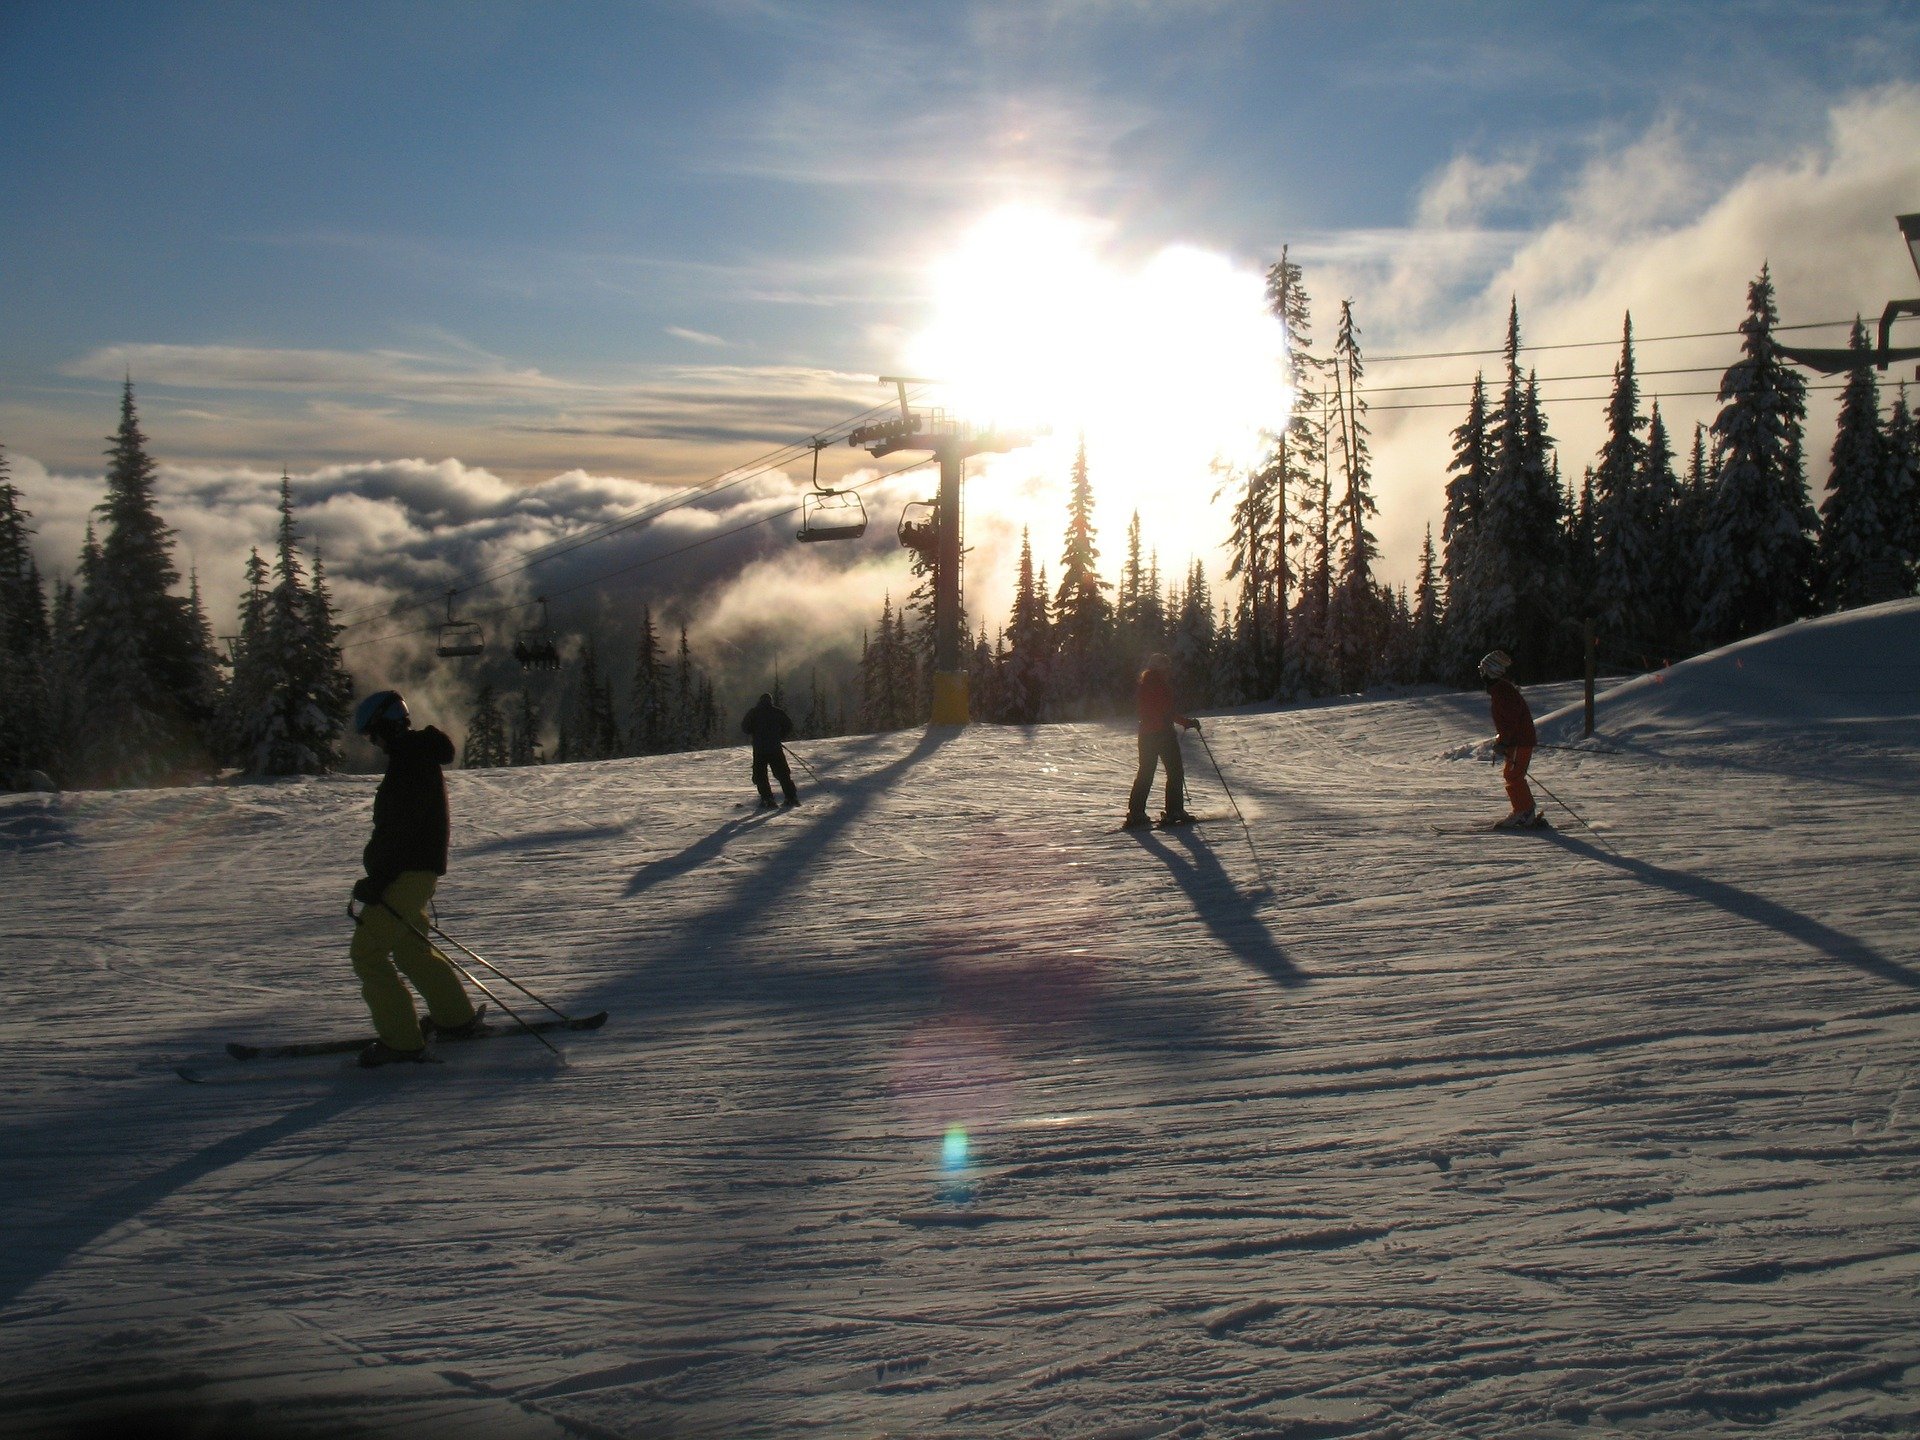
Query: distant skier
{"points": [[1513, 720], [405, 859], [1159, 745], [769, 725]]}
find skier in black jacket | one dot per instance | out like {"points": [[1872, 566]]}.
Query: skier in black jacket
{"points": [[769, 725], [405, 859]]}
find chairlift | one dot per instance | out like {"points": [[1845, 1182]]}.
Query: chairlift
{"points": [[459, 638], [920, 526], [827, 514], [537, 647]]}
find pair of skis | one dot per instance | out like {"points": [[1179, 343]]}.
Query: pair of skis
{"points": [[305, 1049]]}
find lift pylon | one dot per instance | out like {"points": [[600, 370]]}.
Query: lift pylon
{"points": [[953, 444]]}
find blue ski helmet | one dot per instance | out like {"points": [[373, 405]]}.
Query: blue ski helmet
{"points": [[382, 705]]}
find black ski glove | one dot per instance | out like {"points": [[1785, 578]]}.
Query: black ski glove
{"points": [[368, 890], [1193, 724]]}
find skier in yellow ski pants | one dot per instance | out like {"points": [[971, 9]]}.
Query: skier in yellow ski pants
{"points": [[387, 945]]}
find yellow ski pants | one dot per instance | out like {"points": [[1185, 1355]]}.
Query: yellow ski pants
{"points": [[387, 945]]}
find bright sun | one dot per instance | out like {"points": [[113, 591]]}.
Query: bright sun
{"points": [[1169, 368]]}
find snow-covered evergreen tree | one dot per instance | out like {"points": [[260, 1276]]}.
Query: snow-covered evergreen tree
{"points": [[1861, 557], [1518, 580], [1625, 524], [588, 727], [1429, 656], [487, 745], [1357, 622], [1461, 569], [1194, 643], [1756, 550], [142, 720], [1672, 551], [289, 686], [523, 739], [649, 704], [26, 643], [1295, 459], [1084, 680], [1902, 450], [1029, 669]]}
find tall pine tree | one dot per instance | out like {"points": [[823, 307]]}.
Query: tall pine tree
{"points": [[1756, 550], [1861, 557]]}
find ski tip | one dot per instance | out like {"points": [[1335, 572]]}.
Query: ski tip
{"points": [[242, 1052], [589, 1022], [190, 1075]]}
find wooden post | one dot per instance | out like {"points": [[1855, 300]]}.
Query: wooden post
{"points": [[1591, 646]]}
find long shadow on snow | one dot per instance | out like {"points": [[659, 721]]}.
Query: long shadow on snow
{"points": [[1834, 944], [766, 883], [694, 856], [907, 972], [1222, 908], [39, 1250], [536, 838]]}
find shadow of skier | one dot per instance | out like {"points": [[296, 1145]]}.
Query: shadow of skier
{"points": [[694, 856], [1835, 944], [54, 1242], [1220, 904]]}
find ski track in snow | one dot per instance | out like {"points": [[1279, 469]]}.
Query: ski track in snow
{"points": [[1512, 1135]]}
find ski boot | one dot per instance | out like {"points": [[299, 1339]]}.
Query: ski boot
{"points": [[433, 1030], [1135, 822], [378, 1053]]}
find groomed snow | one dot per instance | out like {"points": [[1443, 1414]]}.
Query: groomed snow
{"points": [[934, 1108]]}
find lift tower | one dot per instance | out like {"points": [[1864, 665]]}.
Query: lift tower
{"points": [[953, 443]]}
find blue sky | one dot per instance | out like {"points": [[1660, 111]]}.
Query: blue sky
{"points": [[644, 241]]}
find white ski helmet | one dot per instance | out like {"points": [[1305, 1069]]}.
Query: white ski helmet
{"points": [[1495, 665], [1160, 661], [381, 705]]}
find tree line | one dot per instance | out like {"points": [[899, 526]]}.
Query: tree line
{"points": [[1662, 557], [110, 678]]}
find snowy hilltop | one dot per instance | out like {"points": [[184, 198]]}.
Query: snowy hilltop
{"points": [[938, 1107]]}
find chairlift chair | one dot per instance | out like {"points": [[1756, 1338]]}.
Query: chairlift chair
{"points": [[537, 647], [828, 514], [832, 515], [459, 639], [920, 526]]}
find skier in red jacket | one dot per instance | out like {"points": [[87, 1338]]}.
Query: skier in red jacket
{"points": [[1159, 744], [1515, 739]]}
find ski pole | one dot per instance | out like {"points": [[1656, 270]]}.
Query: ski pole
{"points": [[479, 984], [475, 954], [806, 767], [1259, 865]]}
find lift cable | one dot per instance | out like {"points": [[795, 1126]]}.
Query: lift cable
{"points": [[1593, 344], [1567, 399]]}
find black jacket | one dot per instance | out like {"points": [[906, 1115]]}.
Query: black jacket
{"points": [[768, 725], [410, 825]]}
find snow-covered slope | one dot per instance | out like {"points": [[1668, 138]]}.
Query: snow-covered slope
{"points": [[936, 1108]]}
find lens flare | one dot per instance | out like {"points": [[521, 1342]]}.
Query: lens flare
{"points": [[953, 1150]]}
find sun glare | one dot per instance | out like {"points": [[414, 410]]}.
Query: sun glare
{"points": [[1169, 369]]}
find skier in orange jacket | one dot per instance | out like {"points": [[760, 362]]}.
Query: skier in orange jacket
{"points": [[1515, 739], [1158, 745]]}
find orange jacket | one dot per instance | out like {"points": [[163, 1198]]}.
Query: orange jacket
{"points": [[1512, 717]]}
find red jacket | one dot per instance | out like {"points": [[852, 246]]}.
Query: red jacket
{"points": [[1511, 716], [1156, 703]]}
